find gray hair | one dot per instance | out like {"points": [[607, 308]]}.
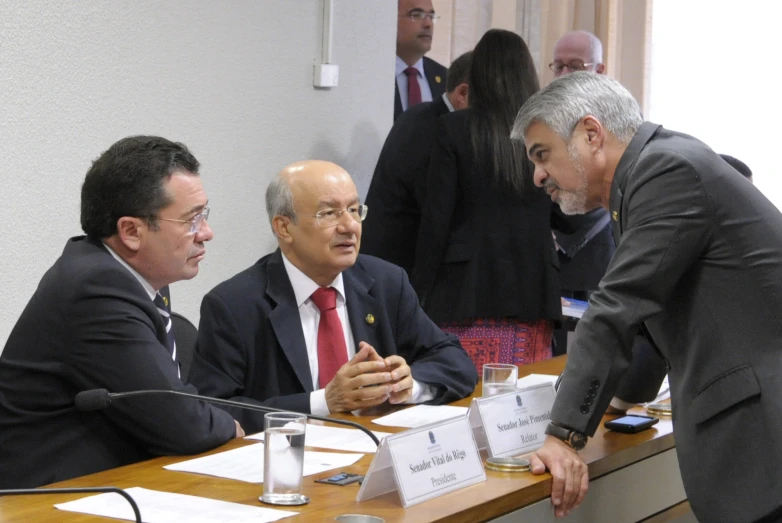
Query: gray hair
{"points": [[595, 48], [569, 98], [279, 200]]}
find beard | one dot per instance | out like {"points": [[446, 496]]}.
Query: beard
{"points": [[575, 200]]}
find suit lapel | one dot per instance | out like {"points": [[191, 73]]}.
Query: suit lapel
{"points": [[286, 321], [364, 311], [623, 169]]}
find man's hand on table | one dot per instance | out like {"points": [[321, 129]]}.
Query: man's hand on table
{"points": [[364, 381], [569, 472]]}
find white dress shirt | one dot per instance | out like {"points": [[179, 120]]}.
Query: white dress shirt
{"points": [[401, 81], [144, 283], [309, 314], [448, 103]]}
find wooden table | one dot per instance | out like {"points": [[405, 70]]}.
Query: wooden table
{"points": [[626, 472]]}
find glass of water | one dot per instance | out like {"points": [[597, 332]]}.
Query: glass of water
{"points": [[499, 378], [283, 458]]}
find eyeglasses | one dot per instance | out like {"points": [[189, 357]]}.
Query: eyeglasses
{"points": [[420, 16], [572, 66], [195, 222], [330, 217]]}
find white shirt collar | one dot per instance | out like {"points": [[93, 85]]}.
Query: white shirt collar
{"points": [[448, 102], [401, 66], [144, 283], [303, 286]]}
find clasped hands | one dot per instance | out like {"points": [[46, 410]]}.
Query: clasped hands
{"points": [[368, 380]]}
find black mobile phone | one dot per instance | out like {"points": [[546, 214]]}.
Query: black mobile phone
{"points": [[341, 479], [631, 424]]}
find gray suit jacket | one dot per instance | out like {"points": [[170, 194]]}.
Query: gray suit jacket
{"points": [[699, 264]]}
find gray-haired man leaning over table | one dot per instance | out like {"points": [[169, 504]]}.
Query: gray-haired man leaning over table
{"points": [[698, 264]]}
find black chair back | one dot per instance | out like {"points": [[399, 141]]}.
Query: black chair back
{"points": [[186, 335]]}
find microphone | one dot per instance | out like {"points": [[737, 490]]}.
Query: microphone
{"points": [[98, 399], [81, 490]]}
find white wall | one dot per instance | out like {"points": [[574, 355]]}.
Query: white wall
{"points": [[231, 79], [713, 64]]}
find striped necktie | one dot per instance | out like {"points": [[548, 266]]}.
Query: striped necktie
{"points": [[165, 312]]}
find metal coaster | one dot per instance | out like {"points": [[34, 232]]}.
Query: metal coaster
{"points": [[299, 499], [359, 518], [508, 464], [660, 409]]}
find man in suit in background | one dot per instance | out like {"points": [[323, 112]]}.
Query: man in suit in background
{"points": [[396, 192], [418, 78], [100, 319], [315, 327], [698, 264], [586, 249]]}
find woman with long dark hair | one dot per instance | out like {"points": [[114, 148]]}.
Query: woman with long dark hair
{"points": [[486, 268]]}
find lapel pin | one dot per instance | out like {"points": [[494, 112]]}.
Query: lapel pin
{"points": [[370, 319], [438, 79], [615, 215], [165, 300]]}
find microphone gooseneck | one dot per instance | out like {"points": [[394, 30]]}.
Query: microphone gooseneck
{"points": [[97, 399], [80, 490]]}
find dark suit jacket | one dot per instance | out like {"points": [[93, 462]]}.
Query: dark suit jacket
{"points": [[588, 250], [433, 71], [396, 193], [251, 345], [699, 264], [483, 250], [90, 324]]}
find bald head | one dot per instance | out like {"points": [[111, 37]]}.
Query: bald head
{"points": [[300, 178], [574, 50], [316, 215], [307, 175]]}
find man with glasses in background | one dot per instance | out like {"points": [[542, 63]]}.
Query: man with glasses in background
{"points": [[100, 318], [578, 51], [418, 78], [315, 327], [587, 247]]}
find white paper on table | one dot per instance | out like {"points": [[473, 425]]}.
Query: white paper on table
{"points": [[535, 379], [335, 438], [246, 463], [167, 507], [421, 415]]}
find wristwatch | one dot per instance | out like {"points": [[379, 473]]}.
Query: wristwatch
{"points": [[575, 440]]}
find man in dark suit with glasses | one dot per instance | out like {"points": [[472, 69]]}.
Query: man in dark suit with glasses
{"points": [[100, 318]]}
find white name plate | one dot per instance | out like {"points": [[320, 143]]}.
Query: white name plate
{"points": [[513, 423], [425, 463]]}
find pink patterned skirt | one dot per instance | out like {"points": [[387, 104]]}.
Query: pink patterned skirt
{"points": [[503, 340]]}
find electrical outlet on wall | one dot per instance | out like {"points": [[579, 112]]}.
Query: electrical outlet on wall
{"points": [[326, 75]]}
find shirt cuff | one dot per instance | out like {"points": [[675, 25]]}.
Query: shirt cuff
{"points": [[318, 404], [620, 404], [422, 392]]}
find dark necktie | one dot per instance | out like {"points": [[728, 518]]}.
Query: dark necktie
{"points": [[165, 311], [332, 350], [413, 89]]}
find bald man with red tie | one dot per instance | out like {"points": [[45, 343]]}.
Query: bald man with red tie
{"points": [[315, 327]]}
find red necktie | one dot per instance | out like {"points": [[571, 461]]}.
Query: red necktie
{"points": [[413, 89], [332, 351]]}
